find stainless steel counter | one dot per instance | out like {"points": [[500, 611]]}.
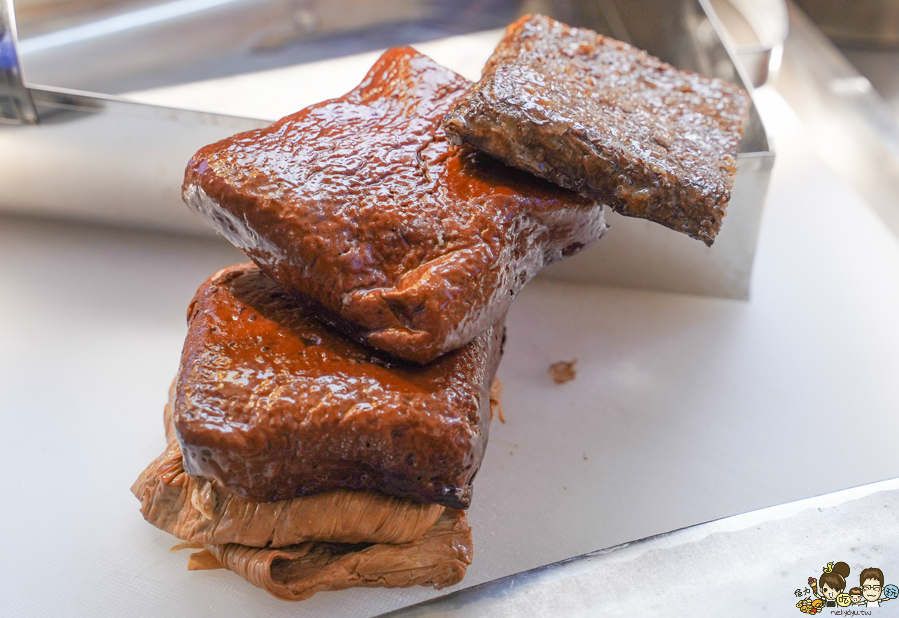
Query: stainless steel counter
{"points": [[849, 124]]}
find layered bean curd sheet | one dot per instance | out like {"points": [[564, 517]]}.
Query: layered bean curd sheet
{"points": [[295, 548]]}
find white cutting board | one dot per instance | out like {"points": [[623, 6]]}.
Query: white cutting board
{"points": [[684, 409]]}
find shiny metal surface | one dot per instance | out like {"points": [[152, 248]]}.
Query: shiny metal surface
{"points": [[92, 156], [757, 30], [860, 23], [852, 128], [881, 67], [746, 565], [211, 38], [16, 106], [102, 159], [180, 41]]}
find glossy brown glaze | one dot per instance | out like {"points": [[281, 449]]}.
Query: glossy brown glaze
{"points": [[402, 241], [272, 404], [608, 120]]}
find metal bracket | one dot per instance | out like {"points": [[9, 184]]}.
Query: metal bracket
{"points": [[16, 106]]}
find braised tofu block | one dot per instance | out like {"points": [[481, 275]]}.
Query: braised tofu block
{"points": [[607, 120], [362, 207], [272, 404]]}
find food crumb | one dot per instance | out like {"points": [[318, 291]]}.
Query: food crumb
{"points": [[563, 371], [585, 456], [496, 406], [186, 545], [203, 561]]}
